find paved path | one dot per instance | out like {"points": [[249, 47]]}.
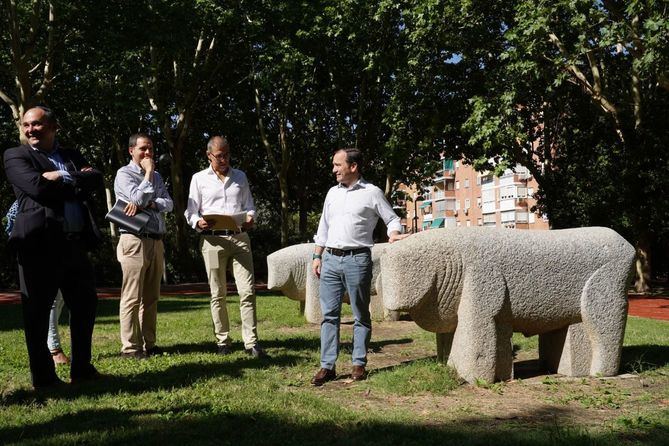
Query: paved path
{"points": [[653, 307], [184, 289]]}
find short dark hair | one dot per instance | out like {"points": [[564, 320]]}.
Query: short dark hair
{"points": [[132, 142], [353, 156], [49, 115]]}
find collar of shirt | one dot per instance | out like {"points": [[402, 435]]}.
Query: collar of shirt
{"points": [[135, 167], [360, 184], [226, 178], [56, 148]]}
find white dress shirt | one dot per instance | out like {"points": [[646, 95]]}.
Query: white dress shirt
{"points": [[350, 216], [208, 194]]}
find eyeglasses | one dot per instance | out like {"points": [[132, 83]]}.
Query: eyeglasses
{"points": [[220, 156]]}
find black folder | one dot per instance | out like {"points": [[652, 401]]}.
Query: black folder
{"points": [[134, 224]]}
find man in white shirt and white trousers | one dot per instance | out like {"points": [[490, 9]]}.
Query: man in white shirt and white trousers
{"points": [[343, 261], [220, 189]]}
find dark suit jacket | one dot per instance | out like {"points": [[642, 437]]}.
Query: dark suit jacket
{"points": [[42, 202]]}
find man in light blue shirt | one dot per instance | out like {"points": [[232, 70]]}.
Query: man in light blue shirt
{"points": [[141, 255], [343, 260]]}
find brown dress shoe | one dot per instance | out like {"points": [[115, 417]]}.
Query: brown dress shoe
{"points": [[323, 376], [358, 373], [59, 357]]}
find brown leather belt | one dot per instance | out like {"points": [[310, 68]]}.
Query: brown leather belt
{"points": [[346, 252]]}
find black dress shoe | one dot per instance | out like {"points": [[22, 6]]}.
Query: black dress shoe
{"points": [[93, 375], [154, 351], [53, 384], [358, 373], [257, 352], [133, 355], [323, 376], [224, 350]]}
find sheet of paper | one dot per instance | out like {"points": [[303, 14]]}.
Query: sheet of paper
{"points": [[232, 222]]}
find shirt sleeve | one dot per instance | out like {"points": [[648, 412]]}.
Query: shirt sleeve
{"points": [[163, 200], [127, 189], [192, 212], [247, 199], [386, 213]]}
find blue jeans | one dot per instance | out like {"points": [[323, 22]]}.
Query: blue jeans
{"points": [[352, 274], [53, 341]]}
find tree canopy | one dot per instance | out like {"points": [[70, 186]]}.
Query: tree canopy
{"points": [[576, 90]]}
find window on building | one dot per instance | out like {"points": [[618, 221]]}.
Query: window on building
{"points": [[457, 204], [466, 183], [530, 192], [457, 164], [458, 224], [449, 185], [488, 195], [467, 203], [508, 216], [478, 202], [478, 180], [457, 185], [469, 223], [507, 192], [489, 219], [521, 191], [479, 222], [532, 218]]}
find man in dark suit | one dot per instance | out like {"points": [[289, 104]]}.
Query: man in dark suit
{"points": [[51, 235]]}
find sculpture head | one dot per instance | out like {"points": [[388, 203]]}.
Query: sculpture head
{"points": [[287, 270], [422, 272]]}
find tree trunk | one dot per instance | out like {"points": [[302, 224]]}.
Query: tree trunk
{"points": [[283, 184], [643, 265], [178, 197]]}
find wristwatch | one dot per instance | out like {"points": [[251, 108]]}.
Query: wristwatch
{"points": [[315, 256]]}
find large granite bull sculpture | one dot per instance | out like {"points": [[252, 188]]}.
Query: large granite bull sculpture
{"points": [[474, 287]]}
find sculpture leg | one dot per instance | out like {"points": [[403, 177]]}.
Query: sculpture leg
{"points": [[566, 351], [312, 305], [444, 344], [482, 342], [604, 314]]}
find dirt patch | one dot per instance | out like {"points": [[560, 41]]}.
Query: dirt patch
{"points": [[535, 400]]}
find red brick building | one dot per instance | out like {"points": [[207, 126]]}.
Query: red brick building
{"points": [[460, 196]]}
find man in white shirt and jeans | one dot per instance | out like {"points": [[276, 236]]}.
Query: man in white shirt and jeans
{"points": [[222, 190], [343, 260]]}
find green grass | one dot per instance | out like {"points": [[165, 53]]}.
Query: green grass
{"points": [[190, 395]]}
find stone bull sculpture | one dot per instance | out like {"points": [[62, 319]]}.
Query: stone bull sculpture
{"points": [[474, 287], [289, 271]]}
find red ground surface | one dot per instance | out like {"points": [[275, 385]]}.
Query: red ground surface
{"points": [[653, 307]]}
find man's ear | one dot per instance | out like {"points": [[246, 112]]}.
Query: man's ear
{"points": [[354, 167]]}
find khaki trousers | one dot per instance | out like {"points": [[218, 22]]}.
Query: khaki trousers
{"points": [[220, 252], [141, 260]]}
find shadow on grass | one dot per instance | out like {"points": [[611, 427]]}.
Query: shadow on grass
{"points": [[374, 346], [209, 424], [644, 358], [175, 377], [107, 311]]}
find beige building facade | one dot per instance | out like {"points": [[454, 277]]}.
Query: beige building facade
{"points": [[460, 196]]}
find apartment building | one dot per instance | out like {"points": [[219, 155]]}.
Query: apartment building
{"points": [[460, 196]]}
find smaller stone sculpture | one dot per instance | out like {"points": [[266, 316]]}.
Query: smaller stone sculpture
{"points": [[474, 287], [289, 271]]}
